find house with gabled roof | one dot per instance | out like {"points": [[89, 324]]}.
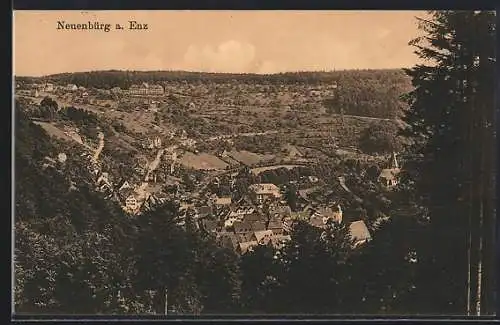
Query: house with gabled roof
{"points": [[264, 191], [328, 213], [229, 222], [276, 226], [131, 203], [262, 237], [253, 217], [153, 200], [245, 247], [243, 230], [245, 200], [228, 239], [103, 179], [208, 225], [359, 232], [389, 177], [258, 226], [124, 194], [222, 201], [203, 211], [280, 210]]}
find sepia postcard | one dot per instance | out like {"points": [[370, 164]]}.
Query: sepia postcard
{"points": [[254, 163]]}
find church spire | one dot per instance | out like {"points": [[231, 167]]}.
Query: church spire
{"points": [[394, 161]]}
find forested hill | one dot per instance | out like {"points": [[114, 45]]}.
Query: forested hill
{"points": [[77, 253], [124, 79], [372, 93]]}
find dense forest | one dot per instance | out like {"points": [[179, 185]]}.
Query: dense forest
{"points": [[124, 79]]}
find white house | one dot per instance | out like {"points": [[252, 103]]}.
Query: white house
{"points": [[131, 203], [264, 191]]}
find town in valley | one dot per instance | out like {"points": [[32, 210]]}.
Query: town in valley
{"points": [[201, 164], [197, 147]]}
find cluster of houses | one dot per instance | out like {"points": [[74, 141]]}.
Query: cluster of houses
{"points": [[101, 179], [262, 218], [245, 224], [144, 89], [259, 218], [152, 143], [138, 198], [35, 90]]}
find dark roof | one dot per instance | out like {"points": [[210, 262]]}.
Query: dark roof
{"points": [[244, 237], [245, 200], [258, 225], [253, 217], [241, 226], [120, 183], [282, 210], [204, 210], [222, 211], [124, 194], [209, 225], [228, 239]]}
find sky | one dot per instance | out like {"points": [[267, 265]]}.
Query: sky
{"points": [[214, 41]]}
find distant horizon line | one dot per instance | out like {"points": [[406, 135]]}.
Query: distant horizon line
{"points": [[210, 73]]}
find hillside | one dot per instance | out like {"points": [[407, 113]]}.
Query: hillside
{"points": [[257, 113], [103, 178], [373, 93], [76, 252]]}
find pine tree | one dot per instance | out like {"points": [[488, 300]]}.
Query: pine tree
{"points": [[162, 255], [450, 108]]}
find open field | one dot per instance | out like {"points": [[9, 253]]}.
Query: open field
{"points": [[202, 161], [56, 132], [249, 158]]}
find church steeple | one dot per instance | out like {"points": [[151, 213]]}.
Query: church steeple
{"points": [[394, 161]]}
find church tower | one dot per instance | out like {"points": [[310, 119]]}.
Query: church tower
{"points": [[337, 215], [394, 161]]}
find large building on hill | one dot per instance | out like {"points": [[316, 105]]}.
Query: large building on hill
{"points": [[264, 191], [146, 90]]}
